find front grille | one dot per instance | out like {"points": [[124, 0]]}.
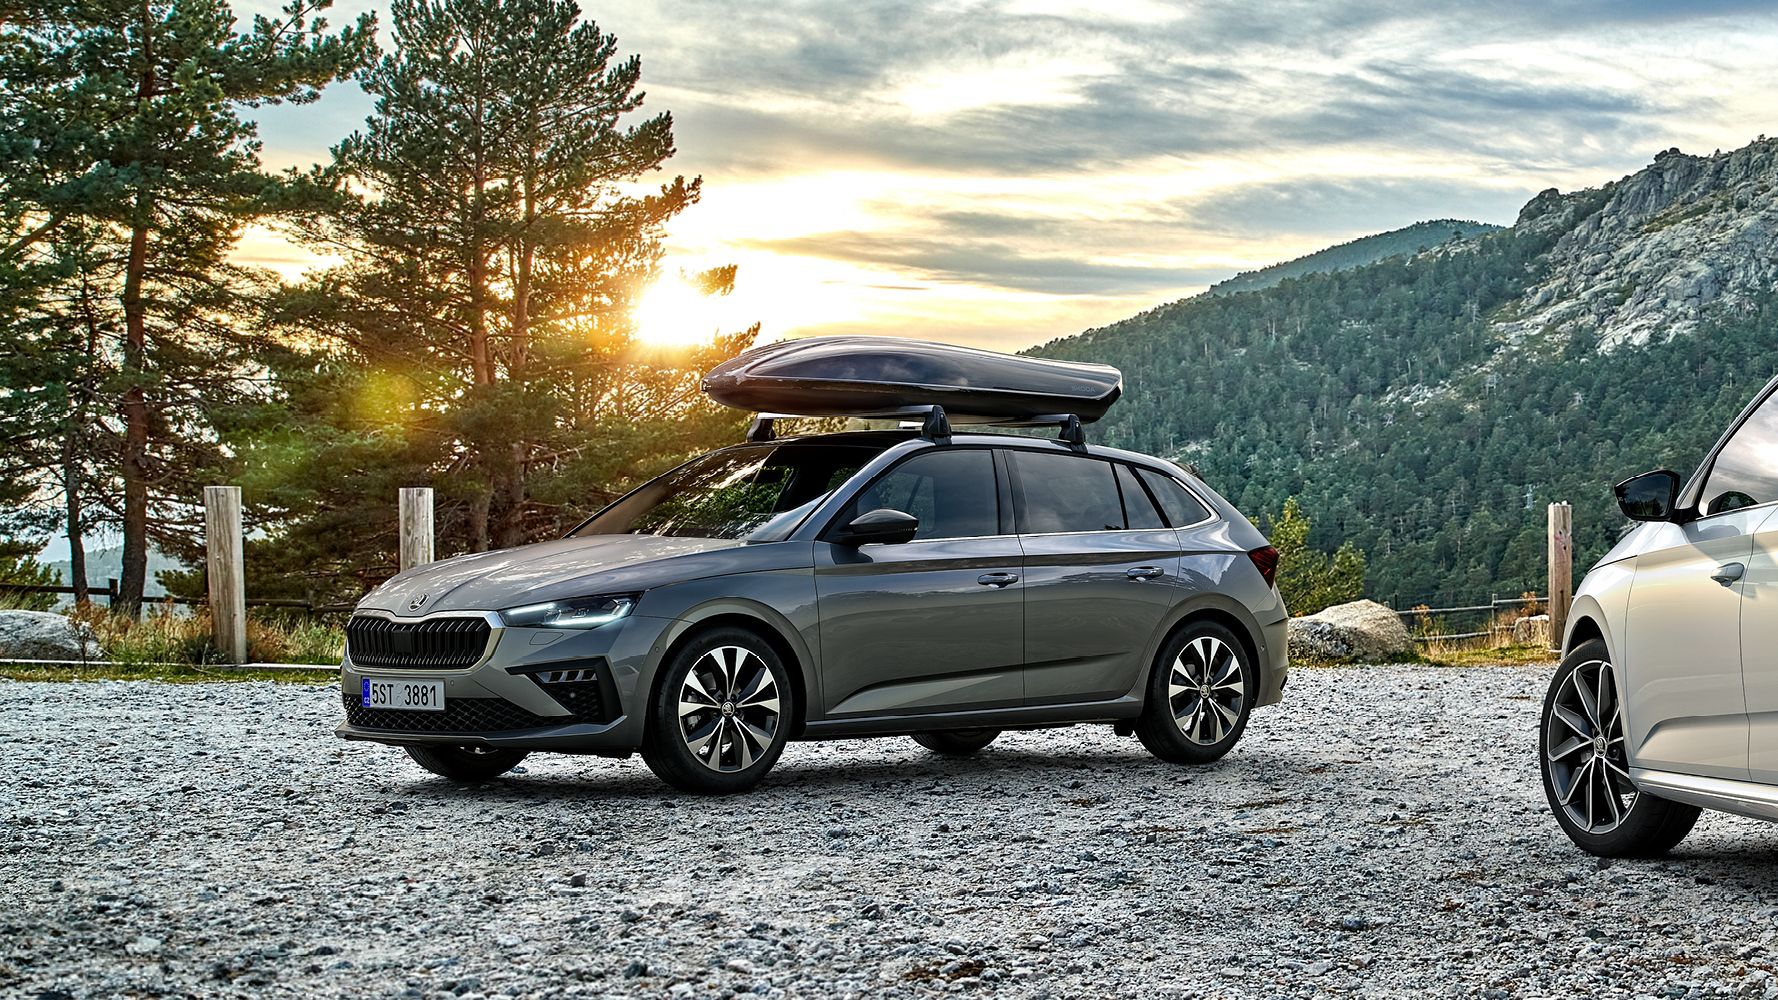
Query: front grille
{"points": [[432, 644], [461, 715]]}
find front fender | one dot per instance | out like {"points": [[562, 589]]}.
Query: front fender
{"points": [[800, 638]]}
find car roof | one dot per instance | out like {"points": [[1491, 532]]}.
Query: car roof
{"points": [[889, 438]]}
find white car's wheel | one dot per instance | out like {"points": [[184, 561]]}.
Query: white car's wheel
{"points": [[1585, 763]]}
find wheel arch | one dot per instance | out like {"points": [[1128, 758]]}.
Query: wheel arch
{"points": [[1205, 611], [1587, 621], [761, 621]]}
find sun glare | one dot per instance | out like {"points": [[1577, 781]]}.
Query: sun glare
{"points": [[674, 312]]}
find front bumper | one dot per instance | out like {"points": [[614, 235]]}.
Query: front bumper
{"points": [[558, 690]]}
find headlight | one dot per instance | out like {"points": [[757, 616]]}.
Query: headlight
{"points": [[580, 612]]}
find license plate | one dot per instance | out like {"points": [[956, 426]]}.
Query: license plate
{"points": [[403, 695]]}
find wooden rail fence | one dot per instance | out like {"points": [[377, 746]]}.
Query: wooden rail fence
{"points": [[226, 580]]}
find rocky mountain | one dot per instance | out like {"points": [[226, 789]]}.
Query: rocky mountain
{"points": [[1427, 407], [1412, 239], [1651, 254]]}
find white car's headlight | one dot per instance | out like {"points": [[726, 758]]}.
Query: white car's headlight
{"points": [[579, 612]]}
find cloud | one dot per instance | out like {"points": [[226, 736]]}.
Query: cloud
{"points": [[1096, 155], [989, 262]]}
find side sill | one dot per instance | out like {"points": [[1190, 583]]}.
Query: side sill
{"points": [[1035, 716], [1743, 798]]}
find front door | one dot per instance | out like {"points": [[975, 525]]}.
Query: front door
{"points": [[1101, 571], [1684, 642], [931, 625]]}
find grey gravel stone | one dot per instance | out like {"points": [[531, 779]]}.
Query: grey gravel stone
{"points": [[268, 859]]}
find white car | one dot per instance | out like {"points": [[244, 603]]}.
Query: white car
{"points": [[1667, 697]]}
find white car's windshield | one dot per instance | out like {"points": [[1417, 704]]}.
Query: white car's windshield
{"points": [[757, 492]]}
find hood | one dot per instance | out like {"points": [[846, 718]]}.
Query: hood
{"points": [[546, 571]]}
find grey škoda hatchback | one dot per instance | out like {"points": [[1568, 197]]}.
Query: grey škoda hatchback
{"points": [[858, 584]]}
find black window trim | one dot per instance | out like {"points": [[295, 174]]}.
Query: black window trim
{"points": [[1001, 493], [1017, 490], [1210, 514], [1693, 493]]}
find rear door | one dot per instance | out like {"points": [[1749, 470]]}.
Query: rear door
{"points": [[934, 624], [1101, 571]]}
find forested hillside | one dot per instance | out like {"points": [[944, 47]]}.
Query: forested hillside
{"points": [[1357, 253], [1415, 411]]}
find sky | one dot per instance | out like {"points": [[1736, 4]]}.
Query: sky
{"points": [[1002, 173]]}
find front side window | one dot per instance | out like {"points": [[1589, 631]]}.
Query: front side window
{"points": [[757, 492], [1060, 492], [952, 491], [1745, 472]]}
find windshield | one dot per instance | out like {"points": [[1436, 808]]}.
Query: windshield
{"points": [[754, 493]]}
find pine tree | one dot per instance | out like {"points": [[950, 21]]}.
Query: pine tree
{"points": [[132, 141], [493, 249]]}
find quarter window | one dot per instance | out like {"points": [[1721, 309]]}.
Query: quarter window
{"points": [[1745, 472], [1139, 510], [952, 491], [1059, 492], [1182, 508]]}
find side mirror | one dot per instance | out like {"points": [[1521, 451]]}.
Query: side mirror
{"points": [[882, 526], [1649, 497]]}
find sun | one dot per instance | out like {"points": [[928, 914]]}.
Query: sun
{"points": [[674, 312]]}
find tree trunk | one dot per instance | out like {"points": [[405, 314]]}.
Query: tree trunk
{"points": [[478, 520], [134, 575], [510, 530], [76, 543], [135, 403]]}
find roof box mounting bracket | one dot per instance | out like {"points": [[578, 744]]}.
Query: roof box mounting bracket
{"points": [[1073, 434], [763, 428], [936, 427]]}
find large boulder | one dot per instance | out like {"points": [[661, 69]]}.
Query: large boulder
{"points": [[1359, 632], [1532, 631], [44, 635]]}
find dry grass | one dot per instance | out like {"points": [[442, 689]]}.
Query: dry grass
{"points": [[166, 635]]}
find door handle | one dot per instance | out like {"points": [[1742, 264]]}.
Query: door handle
{"points": [[1144, 572], [997, 579], [1728, 573]]}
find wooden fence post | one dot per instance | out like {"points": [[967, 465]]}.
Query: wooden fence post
{"points": [[1561, 570], [416, 527], [226, 571]]}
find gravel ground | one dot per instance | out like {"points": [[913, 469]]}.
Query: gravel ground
{"points": [[1381, 833]]}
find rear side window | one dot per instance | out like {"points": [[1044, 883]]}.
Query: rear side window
{"points": [[952, 491], [1181, 507], [1059, 492], [1139, 510], [1746, 470]]}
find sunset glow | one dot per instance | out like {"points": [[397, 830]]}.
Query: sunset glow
{"points": [[1003, 173]]}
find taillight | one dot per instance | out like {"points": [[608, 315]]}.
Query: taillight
{"points": [[1266, 561]]}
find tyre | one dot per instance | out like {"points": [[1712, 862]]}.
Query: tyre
{"points": [[956, 742], [1200, 693], [466, 763], [1585, 763], [721, 713]]}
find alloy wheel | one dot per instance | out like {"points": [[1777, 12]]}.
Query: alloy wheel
{"points": [[1206, 689], [1584, 749], [729, 709]]}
